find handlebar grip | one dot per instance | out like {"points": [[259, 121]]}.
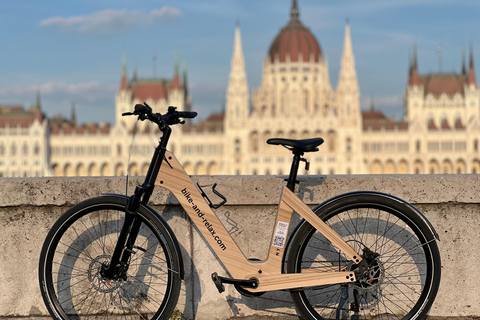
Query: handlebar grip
{"points": [[187, 114], [127, 114]]}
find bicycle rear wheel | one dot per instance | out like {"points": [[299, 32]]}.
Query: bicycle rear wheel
{"points": [[83, 240], [404, 262]]}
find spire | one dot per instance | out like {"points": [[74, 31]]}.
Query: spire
{"points": [[237, 106], [176, 62], [414, 61], [294, 11], [124, 65], [471, 57], [184, 75], [464, 68], [347, 42], [237, 45], [185, 88], [348, 75], [123, 83], [135, 76], [347, 89], [471, 70], [38, 103], [176, 77], [413, 78], [73, 117]]}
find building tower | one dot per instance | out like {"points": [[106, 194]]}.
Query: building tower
{"points": [[348, 99], [347, 90], [236, 109]]}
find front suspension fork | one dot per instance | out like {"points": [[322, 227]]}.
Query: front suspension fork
{"points": [[118, 267]]}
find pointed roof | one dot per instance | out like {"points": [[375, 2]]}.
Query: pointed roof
{"points": [[73, 118], [348, 74], [184, 80], [135, 75], [123, 82], [237, 67], [237, 45], [176, 77], [38, 103], [16, 116], [413, 79], [471, 70], [347, 41]]}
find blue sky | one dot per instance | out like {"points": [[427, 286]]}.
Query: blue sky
{"points": [[71, 51]]}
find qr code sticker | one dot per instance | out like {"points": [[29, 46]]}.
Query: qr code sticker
{"points": [[280, 234], [278, 241]]}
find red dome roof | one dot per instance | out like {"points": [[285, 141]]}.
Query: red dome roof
{"points": [[296, 41]]}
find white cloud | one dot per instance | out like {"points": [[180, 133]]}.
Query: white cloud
{"points": [[87, 90], [93, 100], [163, 15], [108, 22]]}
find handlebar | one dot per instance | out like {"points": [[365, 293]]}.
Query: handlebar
{"points": [[144, 112]]}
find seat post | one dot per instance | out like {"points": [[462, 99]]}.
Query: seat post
{"points": [[292, 178]]}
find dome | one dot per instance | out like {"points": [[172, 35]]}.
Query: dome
{"points": [[296, 41]]}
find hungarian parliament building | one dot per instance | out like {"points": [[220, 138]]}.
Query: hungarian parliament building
{"points": [[439, 133]]}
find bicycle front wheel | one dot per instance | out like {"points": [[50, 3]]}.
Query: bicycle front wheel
{"points": [[82, 241], [401, 252]]}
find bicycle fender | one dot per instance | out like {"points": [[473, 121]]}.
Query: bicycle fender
{"points": [[165, 224], [386, 195]]}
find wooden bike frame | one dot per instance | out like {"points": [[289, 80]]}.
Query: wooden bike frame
{"points": [[269, 274]]}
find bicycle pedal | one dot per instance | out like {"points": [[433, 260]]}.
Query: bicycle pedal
{"points": [[218, 282]]}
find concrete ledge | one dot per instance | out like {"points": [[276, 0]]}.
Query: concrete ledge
{"points": [[29, 207]]}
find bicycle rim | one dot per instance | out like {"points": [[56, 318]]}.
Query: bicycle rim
{"points": [[404, 266], [73, 256]]}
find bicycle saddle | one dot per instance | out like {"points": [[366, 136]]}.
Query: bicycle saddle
{"points": [[304, 145]]}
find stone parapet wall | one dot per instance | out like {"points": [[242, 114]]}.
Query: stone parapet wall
{"points": [[29, 207]]}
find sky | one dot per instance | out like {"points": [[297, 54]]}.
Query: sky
{"points": [[71, 51]]}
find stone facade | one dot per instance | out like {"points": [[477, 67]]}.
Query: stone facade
{"points": [[440, 131], [24, 142]]}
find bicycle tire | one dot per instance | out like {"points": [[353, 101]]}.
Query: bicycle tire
{"points": [[402, 281], [83, 239]]}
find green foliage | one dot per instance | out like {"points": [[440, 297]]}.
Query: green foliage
{"points": [[176, 315]]}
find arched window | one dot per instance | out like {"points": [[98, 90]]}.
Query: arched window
{"points": [[25, 149], [13, 149], [348, 145], [254, 142], [36, 149], [294, 101], [238, 146], [306, 100], [332, 137]]}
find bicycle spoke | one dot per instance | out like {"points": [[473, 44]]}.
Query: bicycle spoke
{"points": [[396, 262], [86, 246]]}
